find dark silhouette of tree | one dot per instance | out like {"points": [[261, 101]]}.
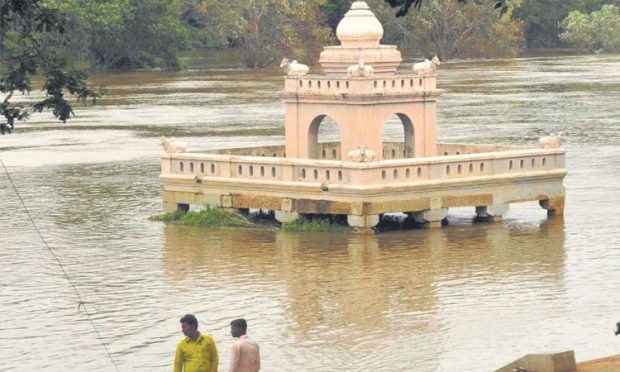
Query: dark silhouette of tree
{"points": [[26, 48], [405, 5]]}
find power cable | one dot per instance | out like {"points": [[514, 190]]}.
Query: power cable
{"points": [[81, 303]]}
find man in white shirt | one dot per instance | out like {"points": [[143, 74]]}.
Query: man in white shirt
{"points": [[245, 352]]}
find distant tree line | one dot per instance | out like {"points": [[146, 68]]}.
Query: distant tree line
{"points": [[264, 30], [598, 31], [54, 37], [130, 34]]}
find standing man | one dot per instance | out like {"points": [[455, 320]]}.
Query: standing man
{"points": [[197, 351], [245, 354]]}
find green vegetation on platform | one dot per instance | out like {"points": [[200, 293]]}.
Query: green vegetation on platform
{"points": [[213, 217], [166, 217], [216, 217], [317, 224]]}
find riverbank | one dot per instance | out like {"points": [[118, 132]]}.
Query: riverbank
{"points": [[607, 364]]}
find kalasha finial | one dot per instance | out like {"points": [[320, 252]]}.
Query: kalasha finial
{"points": [[359, 27]]}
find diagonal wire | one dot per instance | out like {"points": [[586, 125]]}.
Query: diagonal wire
{"points": [[81, 303]]}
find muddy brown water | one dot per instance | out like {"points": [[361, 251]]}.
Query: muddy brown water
{"points": [[468, 297]]}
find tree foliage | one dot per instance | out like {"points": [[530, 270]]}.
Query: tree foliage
{"points": [[542, 18], [453, 29], [266, 30], [597, 31], [31, 41], [124, 34], [405, 5], [45, 36]]}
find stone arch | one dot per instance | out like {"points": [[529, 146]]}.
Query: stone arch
{"points": [[330, 146], [405, 141]]}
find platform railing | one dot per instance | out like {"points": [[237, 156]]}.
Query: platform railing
{"points": [[332, 85], [398, 171], [391, 150]]}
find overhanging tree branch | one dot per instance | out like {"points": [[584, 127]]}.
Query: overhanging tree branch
{"points": [[405, 5], [24, 24]]}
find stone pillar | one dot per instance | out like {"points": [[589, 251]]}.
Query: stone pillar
{"points": [[554, 206], [493, 212], [430, 218], [172, 207], [286, 213], [363, 224], [169, 207], [284, 217]]}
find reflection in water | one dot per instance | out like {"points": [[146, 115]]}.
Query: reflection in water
{"points": [[365, 293]]}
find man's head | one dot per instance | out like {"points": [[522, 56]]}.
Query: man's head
{"points": [[189, 326], [238, 327]]}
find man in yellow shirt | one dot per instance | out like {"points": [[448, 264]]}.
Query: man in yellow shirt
{"points": [[196, 352]]}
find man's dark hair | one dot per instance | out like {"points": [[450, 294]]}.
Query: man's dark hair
{"points": [[240, 323], [190, 319]]}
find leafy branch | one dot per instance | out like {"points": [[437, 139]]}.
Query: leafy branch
{"points": [[26, 48]]}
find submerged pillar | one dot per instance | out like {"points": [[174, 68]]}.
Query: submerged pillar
{"points": [[363, 224], [554, 206], [493, 212], [284, 217], [430, 218], [173, 207]]}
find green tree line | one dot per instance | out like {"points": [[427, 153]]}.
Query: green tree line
{"points": [[53, 37], [130, 34], [265, 30]]}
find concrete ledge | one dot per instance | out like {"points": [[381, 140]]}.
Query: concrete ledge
{"points": [[543, 186], [333, 204], [608, 364], [552, 362]]}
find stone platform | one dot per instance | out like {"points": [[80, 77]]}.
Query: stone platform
{"points": [[362, 176], [488, 178]]}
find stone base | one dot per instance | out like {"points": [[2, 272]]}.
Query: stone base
{"points": [[432, 224], [172, 207], [430, 218], [363, 224], [493, 212], [284, 217], [554, 206]]}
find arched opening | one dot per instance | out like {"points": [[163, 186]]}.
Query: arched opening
{"points": [[398, 137], [323, 138]]}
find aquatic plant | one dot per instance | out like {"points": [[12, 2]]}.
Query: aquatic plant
{"points": [[166, 217], [207, 217], [218, 217], [315, 224]]}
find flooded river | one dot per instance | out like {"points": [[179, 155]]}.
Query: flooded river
{"points": [[468, 297]]}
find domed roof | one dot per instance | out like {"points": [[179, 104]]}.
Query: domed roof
{"points": [[360, 33], [359, 27]]}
